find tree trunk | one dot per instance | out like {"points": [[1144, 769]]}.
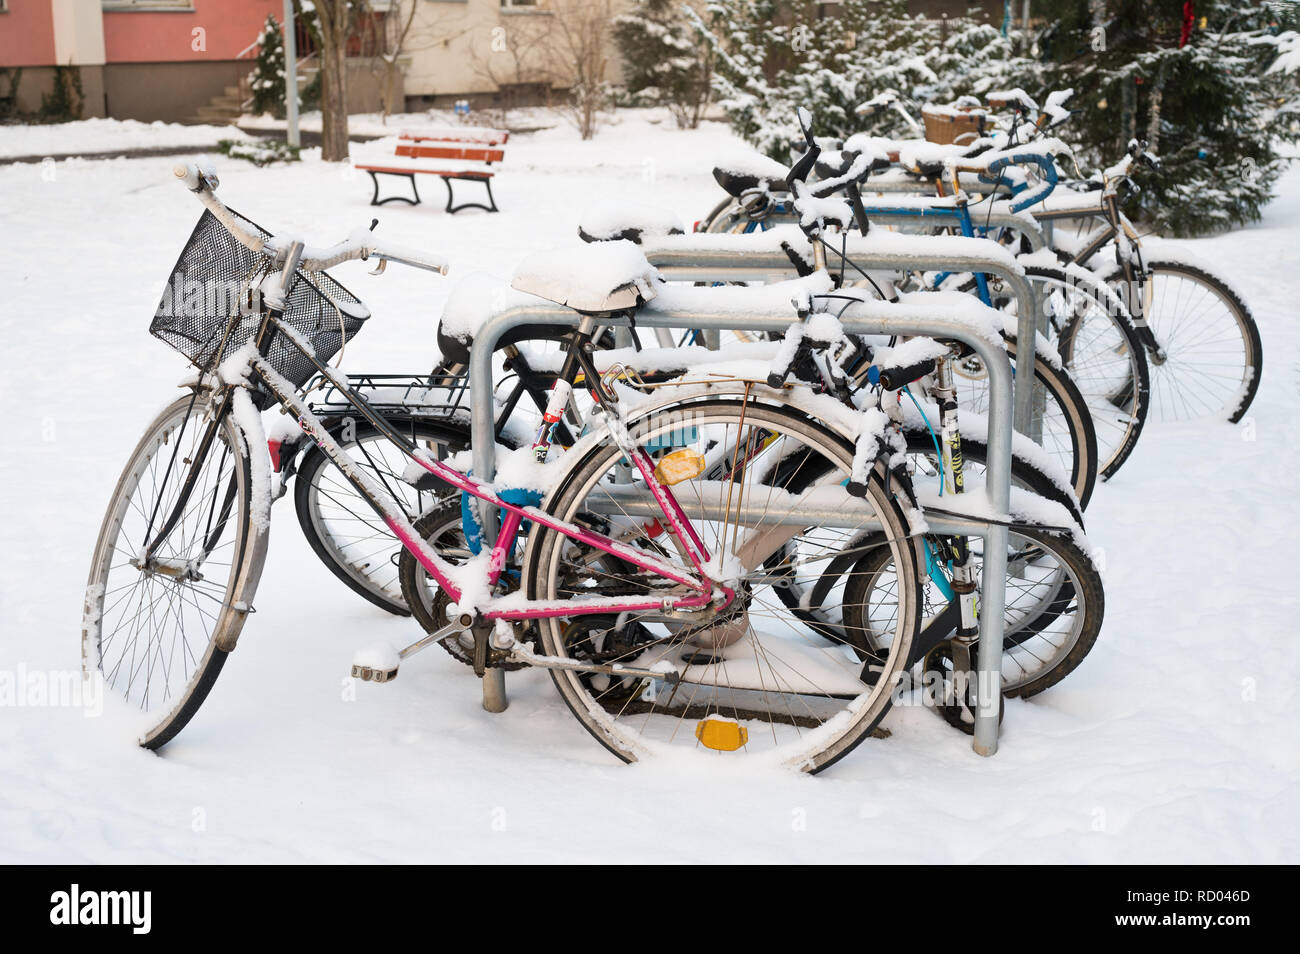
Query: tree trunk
{"points": [[334, 104], [335, 22]]}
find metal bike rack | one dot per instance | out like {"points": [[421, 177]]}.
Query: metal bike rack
{"points": [[865, 318], [695, 258]]}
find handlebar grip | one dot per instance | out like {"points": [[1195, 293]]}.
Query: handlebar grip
{"points": [[196, 178], [891, 379], [402, 254]]}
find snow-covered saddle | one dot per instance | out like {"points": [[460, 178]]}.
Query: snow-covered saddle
{"points": [[744, 173], [632, 221], [594, 278]]}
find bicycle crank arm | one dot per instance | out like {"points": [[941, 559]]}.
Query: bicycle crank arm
{"points": [[388, 674]]}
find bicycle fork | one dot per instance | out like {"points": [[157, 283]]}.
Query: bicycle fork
{"points": [[963, 581]]}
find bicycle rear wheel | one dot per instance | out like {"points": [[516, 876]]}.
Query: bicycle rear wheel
{"points": [[159, 629], [342, 529], [784, 691]]}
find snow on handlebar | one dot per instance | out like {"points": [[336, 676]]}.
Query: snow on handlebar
{"points": [[361, 244]]}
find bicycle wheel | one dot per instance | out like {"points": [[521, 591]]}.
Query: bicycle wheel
{"points": [[1103, 355], [723, 216], [342, 529], [785, 692], [1054, 609], [1064, 424], [811, 572], [159, 631], [1211, 356]]}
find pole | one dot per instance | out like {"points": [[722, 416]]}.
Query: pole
{"points": [[291, 75]]}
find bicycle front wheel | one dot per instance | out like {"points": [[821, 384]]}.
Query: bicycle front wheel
{"points": [[756, 681], [158, 626], [1209, 356], [1054, 607], [1062, 423], [1103, 355]]}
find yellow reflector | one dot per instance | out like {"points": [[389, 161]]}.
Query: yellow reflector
{"points": [[722, 735], [678, 466]]}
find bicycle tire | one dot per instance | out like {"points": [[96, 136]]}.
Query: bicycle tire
{"points": [[1166, 391], [1103, 354], [1080, 585], [324, 511], [546, 560], [180, 421]]}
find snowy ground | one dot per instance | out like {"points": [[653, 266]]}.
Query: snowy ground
{"points": [[108, 135], [1173, 742]]}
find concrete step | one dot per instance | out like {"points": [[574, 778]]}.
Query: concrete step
{"points": [[218, 114]]}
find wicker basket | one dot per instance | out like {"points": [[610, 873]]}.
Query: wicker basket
{"points": [[200, 314], [952, 127]]}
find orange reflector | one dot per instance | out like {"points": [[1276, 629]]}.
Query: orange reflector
{"points": [[721, 735], [678, 466]]}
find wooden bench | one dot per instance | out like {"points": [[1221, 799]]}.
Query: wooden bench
{"points": [[484, 146]]}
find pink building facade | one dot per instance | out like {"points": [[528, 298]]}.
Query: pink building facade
{"points": [[135, 59]]}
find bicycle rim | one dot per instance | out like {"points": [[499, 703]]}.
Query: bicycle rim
{"points": [[799, 697], [1213, 356], [343, 530], [158, 632]]}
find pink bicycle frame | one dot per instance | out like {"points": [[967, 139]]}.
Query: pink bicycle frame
{"points": [[514, 517]]}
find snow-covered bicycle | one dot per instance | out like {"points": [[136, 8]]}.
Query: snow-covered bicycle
{"points": [[689, 652]]}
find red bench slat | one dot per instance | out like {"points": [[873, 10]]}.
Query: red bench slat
{"points": [[473, 154], [484, 137], [407, 170]]}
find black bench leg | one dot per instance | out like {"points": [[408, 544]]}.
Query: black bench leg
{"points": [[375, 200], [453, 208]]}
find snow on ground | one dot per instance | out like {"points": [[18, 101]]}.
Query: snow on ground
{"points": [[107, 135], [1173, 742], [376, 124]]}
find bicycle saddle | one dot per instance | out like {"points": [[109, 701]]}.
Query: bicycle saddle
{"points": [[737, 184], [627, 220], [593, 278], [475, 299]]}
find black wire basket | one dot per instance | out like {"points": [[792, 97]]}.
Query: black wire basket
{"points": [[209, 310]]}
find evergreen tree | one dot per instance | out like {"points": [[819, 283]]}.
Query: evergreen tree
{"points": [[774, 56], [665, 63], [267, 78], [1191, 80], [1202, 95]]}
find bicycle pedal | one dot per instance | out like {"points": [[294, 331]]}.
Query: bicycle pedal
{"points": [[369, 674], [376, 664]]}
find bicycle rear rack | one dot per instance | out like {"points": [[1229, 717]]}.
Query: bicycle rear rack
{"points": [[436, 395]]}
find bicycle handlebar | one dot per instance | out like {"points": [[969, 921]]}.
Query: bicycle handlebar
{"points": [[361, 244], [1046, 166]]}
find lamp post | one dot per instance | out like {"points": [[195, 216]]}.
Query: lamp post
{"points": [[291, 75]]}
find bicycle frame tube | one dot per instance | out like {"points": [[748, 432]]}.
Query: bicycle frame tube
{"points": [[386, 507]]}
